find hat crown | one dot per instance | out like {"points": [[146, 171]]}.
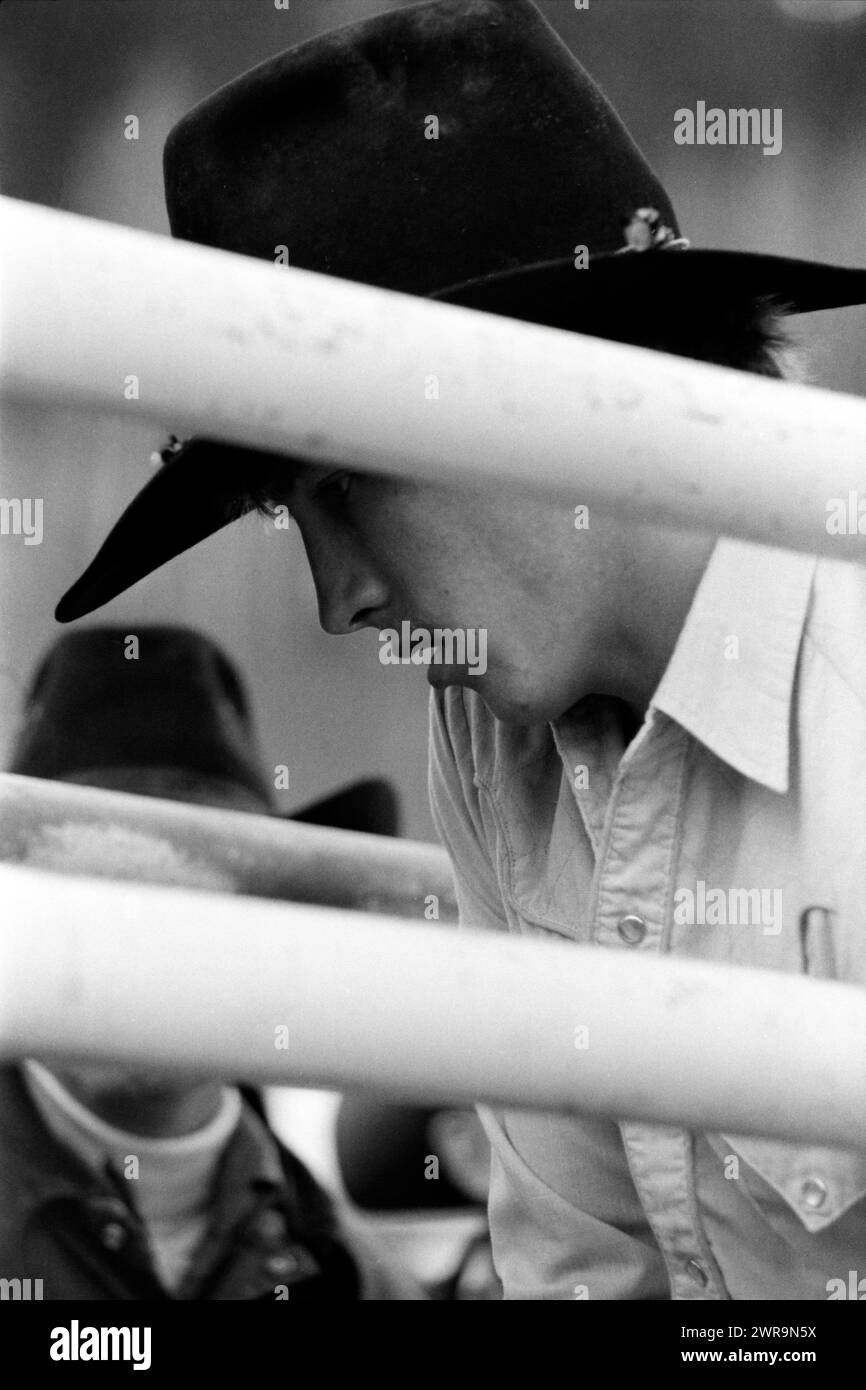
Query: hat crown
{"points": [[416, 150], [174, 701]]}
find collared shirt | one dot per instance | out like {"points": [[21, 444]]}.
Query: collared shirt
{"points": [[271, 1233], [730, 828]]}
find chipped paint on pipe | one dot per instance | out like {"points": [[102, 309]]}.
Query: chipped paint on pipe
{"points": [[303, 363]]}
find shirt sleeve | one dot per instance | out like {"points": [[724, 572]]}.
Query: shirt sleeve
{"points": [[565, 1219]]}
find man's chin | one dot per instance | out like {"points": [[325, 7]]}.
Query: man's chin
{"points": [[440, 676], [505, 700], [504, 703]]}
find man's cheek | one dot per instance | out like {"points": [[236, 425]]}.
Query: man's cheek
{"points": [[402, 507]]}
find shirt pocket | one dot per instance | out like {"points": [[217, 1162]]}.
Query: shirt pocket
{"points": [[815, 1187]]}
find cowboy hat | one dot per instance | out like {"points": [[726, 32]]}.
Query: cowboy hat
{"points": [[172, 721]]}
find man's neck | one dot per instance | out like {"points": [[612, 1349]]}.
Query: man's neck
{"points": [[673, 564]]}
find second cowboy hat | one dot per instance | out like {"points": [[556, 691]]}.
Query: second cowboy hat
{"points": [[174, 723], [454, 150]]}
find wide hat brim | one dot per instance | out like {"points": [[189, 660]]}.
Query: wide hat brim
{"points": [[198, 492], [187, 500]]}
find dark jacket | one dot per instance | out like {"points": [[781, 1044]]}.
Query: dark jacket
{"points": [[272, 1233]]}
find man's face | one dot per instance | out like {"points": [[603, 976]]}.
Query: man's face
{"points": [[383, 551], [148, 1102]]}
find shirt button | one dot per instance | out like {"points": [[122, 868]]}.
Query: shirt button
{"points": [[113, 1235], [696, 1271], [270, 1227], [632, 929], [281, 1264], [813, 1193]]}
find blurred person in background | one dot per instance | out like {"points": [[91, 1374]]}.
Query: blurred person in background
{"points": [[128, 1183], [420, 1177]]}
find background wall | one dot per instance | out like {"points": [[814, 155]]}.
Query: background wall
{"points": [[72, 70]]}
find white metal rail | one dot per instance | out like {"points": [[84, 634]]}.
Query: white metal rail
{"points": [[284, 359], [222, 985], [265, 856]]}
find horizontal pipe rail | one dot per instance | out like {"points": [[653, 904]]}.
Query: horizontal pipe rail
{"points": [[288, 360], [310, 996], [265, 856]]}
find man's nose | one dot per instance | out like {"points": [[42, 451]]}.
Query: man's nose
{"points": [[349, 592], [348, 603]]}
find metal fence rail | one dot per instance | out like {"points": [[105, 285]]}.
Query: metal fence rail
{"points": [[230, 347], [264, 855], [306, 995]]}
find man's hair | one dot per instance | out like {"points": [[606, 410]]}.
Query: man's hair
{"points": [[742, 332]]}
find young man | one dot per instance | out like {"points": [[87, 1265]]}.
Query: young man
{"points": [[659, 718], [120, 1183]]}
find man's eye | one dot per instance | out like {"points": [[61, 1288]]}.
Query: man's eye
{"points": [[336, 485]]}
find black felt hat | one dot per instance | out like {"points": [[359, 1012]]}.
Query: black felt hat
{"points": [[105, 701], [327, 149], [168, 717]]}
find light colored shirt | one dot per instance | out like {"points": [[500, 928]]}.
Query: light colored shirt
{"points": [[748, 773], [170, 1179]]}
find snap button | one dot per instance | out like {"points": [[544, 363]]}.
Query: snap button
{"points": [[281, 1264], [696, 1271], [813, 1193], [270, 1227], [113, 1235], [632, 929]]}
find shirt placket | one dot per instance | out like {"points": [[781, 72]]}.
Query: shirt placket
{"points": [[630, 911]]}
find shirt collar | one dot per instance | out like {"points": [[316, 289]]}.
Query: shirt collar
{"points": [[730, 679], [47, 1169], [176, 1172]]}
